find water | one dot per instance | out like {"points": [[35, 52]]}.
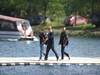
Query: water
{"points": [[78, 47], [50, 70]]}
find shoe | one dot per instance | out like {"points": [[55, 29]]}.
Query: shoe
{"points": [[45, 59], [39, 59], [69, 58], [57, 58], [62, 59]]}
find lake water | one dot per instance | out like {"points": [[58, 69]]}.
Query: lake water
{"points": [[78, 47]]}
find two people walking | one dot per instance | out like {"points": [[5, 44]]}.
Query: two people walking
{"points": [[48, 39]]}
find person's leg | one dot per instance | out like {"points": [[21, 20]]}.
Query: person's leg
{"points": [[47, 52], [55, 53], [62, 52], [66, 54], [41, 49]]}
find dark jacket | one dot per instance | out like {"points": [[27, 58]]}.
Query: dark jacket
{"points": [[50, 41], [42, 37], [63, 38]]}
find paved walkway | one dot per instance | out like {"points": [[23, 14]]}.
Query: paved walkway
{"points": [[14, 61]]}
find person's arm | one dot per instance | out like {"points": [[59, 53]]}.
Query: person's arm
{"points": [[60, 39], [45, 38], [66, 39], [39, 35]]}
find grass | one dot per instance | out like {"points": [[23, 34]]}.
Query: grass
{"points": [[84, 26], [76, 30], [53, 24]]}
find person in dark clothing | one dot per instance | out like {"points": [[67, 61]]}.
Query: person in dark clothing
{"points": [[64, 42], [42, 37], [50, 44]]}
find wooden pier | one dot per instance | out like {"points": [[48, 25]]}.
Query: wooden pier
{"points": [[16, 61]]}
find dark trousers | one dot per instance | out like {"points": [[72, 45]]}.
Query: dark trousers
{"points": [[47, 52], [63, 52]]}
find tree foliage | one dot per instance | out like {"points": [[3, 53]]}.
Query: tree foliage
{"points": [[53, 8]]}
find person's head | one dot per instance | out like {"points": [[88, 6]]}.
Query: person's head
{"points": [[64, 29], [24, 27], [50, 29]]}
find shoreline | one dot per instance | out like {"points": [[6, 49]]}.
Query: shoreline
{"points": [[90, 32]]}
